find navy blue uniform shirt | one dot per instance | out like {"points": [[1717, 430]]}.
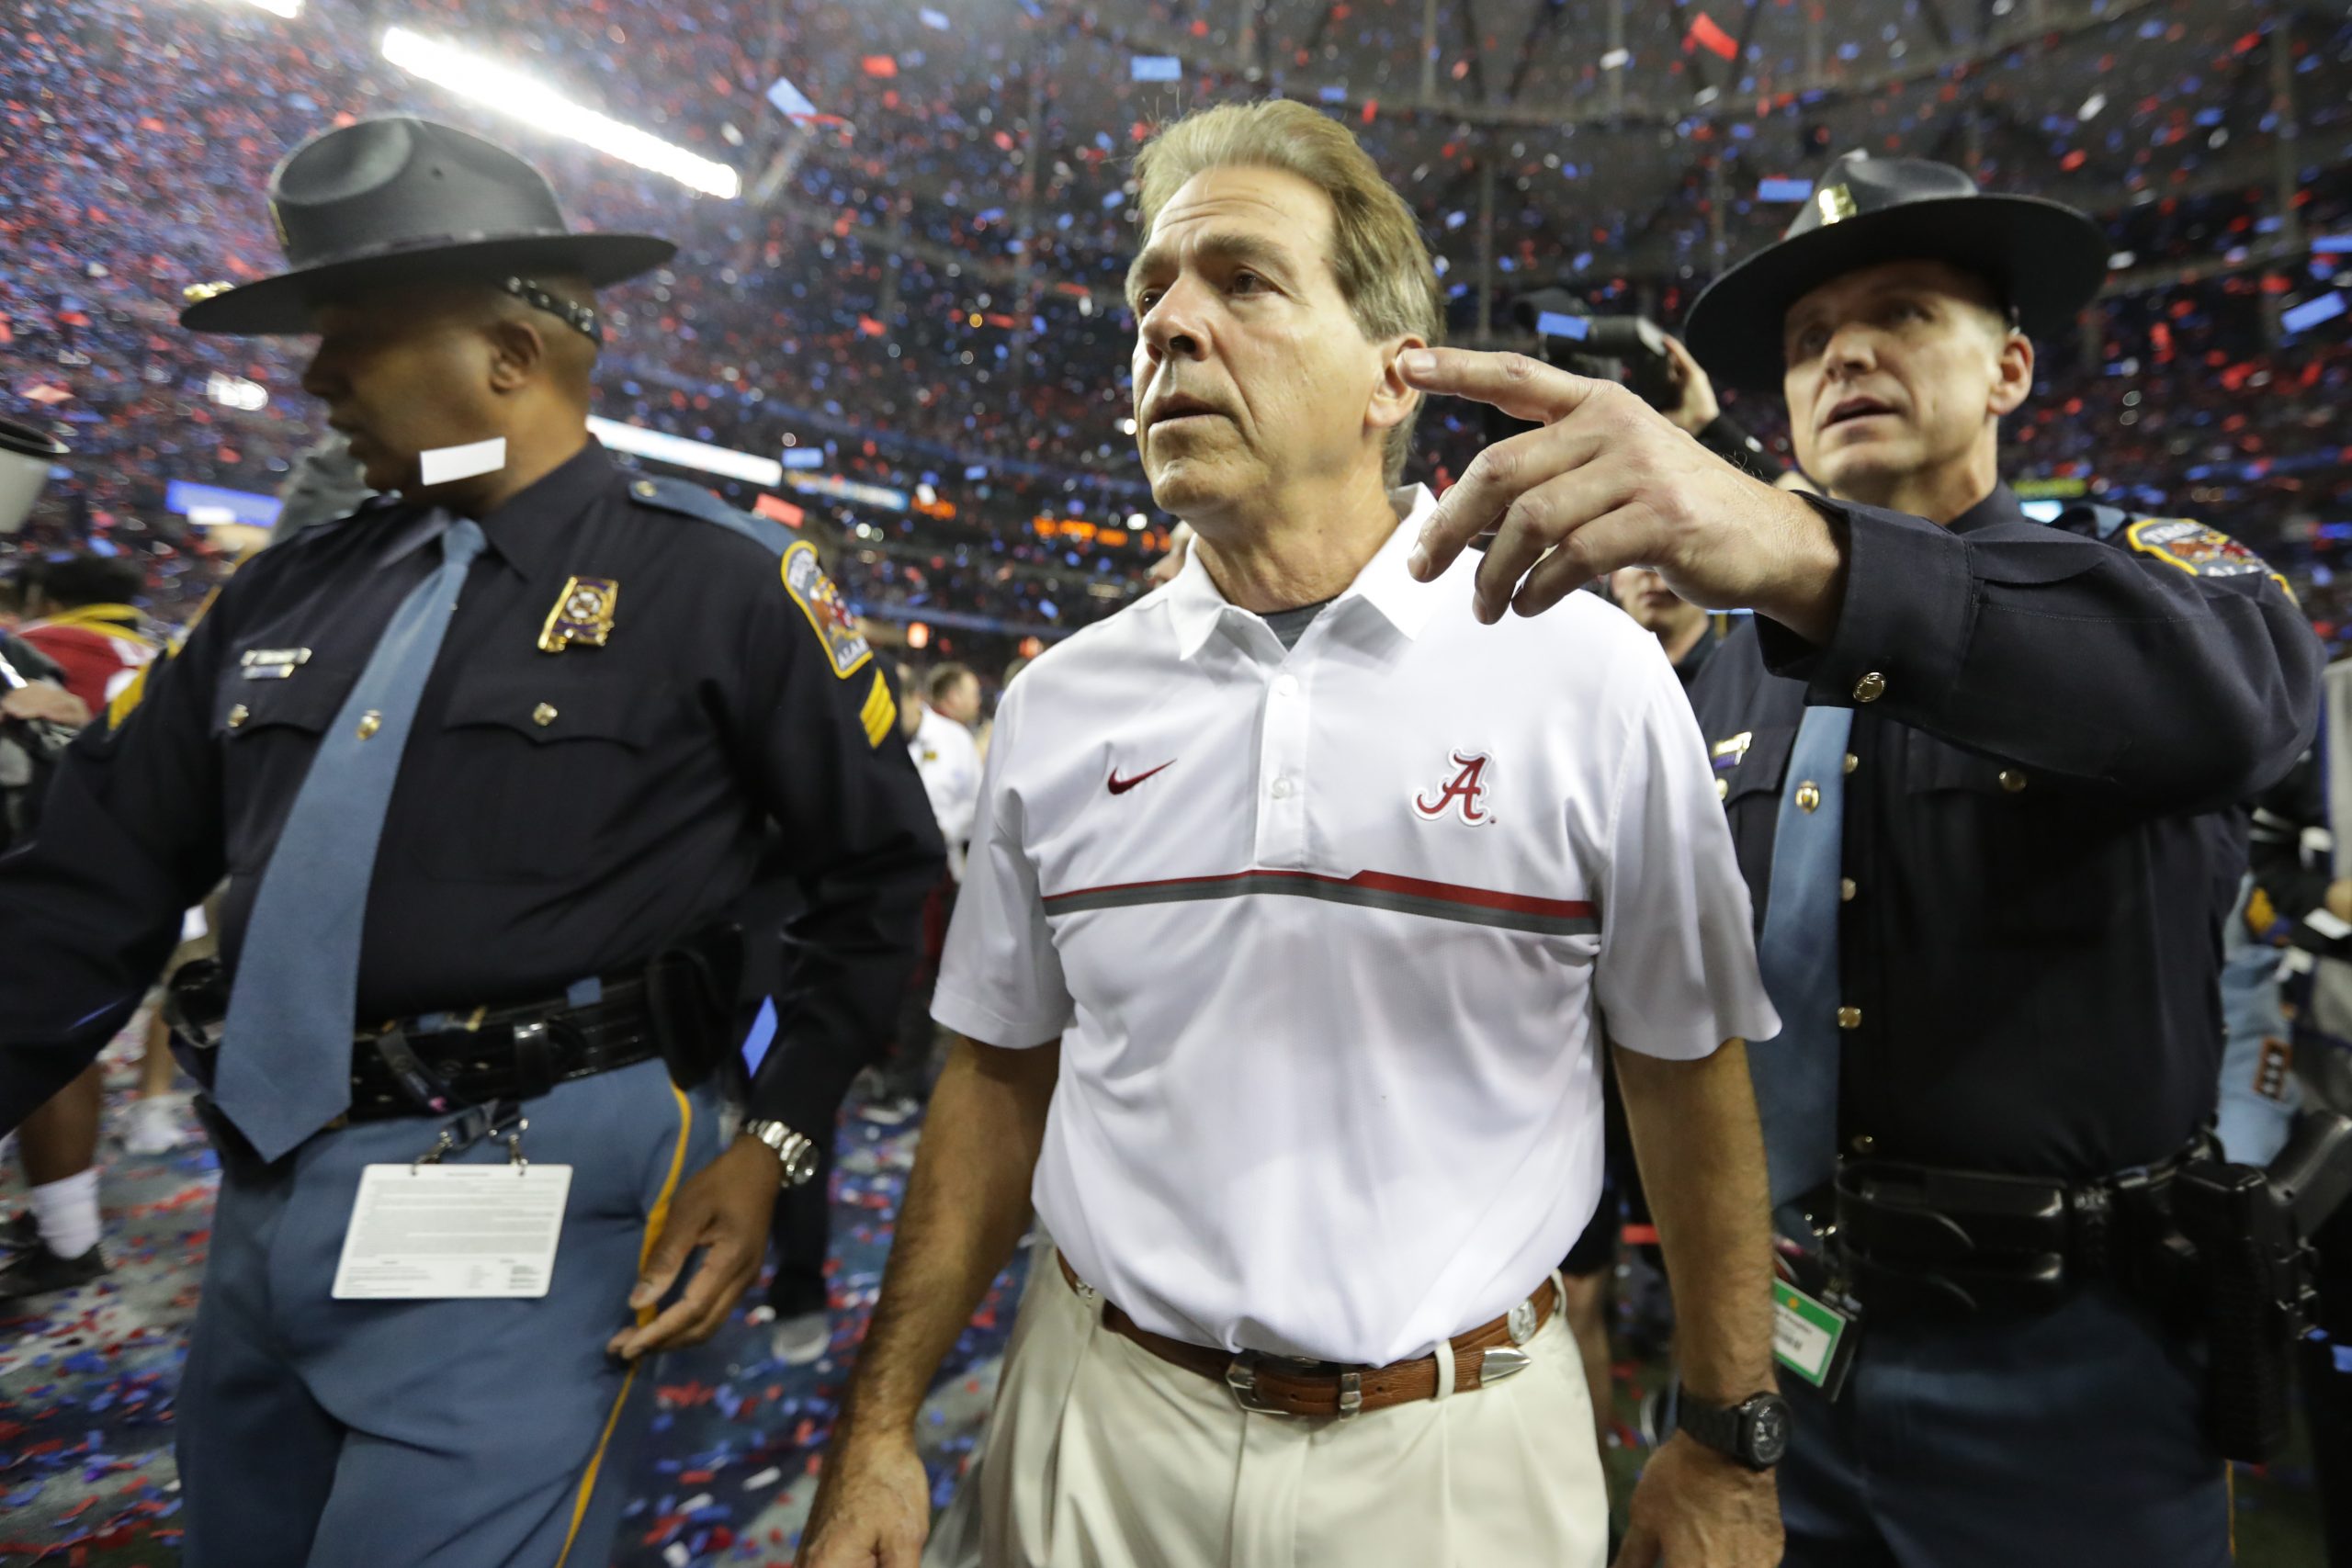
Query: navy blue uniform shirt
{"points": [[557, 814], [2052, 730]]}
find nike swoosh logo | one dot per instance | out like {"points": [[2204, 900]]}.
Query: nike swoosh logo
{"points": [[1121, 787]]}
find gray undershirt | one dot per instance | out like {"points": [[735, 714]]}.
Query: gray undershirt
{"points": [[1291, 625]]}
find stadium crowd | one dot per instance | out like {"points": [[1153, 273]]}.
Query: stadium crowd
{"points": [[876, 308]]}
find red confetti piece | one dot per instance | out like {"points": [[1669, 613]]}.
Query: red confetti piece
{"points": [[1704, 34]]}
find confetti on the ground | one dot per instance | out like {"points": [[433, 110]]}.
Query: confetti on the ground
{"points": [[87, 1381]]}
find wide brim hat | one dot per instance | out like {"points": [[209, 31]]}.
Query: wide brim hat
{"points": [[381, 203], [2046, 260]]}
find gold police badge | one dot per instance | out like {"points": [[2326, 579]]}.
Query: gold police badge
{"points": [[582, 613]]}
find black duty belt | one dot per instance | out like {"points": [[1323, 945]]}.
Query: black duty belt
{"points": [[1911, 1237], [499, 1054], [444, 1062]]}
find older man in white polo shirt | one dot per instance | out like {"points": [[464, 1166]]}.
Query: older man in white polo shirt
{"points": [[1294, 925]]}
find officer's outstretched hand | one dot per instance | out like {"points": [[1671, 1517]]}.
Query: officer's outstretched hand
{"points": [[1694, 1508], [722, 1211], [1609, 481]]}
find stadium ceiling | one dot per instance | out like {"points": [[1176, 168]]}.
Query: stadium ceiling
{"points": [[1636, 116], [1569, 141]]}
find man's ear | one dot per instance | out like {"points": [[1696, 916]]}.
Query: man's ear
{"points": [[518, 352], [2013, 375], [1393, 397]]}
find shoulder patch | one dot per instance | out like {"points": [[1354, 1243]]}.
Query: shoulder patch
{"points": [[692, 500], [2197, 550], [828, 612]]}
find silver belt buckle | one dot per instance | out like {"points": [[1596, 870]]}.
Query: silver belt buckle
{"points": [[1241, 1377]]}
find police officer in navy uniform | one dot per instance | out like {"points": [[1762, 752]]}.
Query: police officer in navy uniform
{"points": [[1981, 775], [483, 764]]}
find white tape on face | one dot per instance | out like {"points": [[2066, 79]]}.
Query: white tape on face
{"points": [[444, 464]]}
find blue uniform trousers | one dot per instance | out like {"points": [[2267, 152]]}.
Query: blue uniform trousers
{"points": [[315, 1433], [2070, 1440]]}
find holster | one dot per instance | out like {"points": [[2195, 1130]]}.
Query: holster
{"points": [[2255, 1274], [195, 1004], [691, 990]]}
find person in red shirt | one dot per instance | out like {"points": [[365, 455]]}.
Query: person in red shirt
{"points": [[79, 612]]}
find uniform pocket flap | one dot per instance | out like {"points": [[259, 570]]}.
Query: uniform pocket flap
{"points": [[306, 700], [544, 710], [1936, 765]]}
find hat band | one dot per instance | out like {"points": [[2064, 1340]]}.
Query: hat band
{"points": [[581, 317]]}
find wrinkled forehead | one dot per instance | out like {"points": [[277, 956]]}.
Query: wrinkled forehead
{"points": [[1267, 216]]}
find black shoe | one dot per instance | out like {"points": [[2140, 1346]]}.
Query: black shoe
{"points": [[21, 1233], [39, 1271]]}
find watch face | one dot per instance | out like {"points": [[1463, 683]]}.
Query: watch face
{"points": [[1768, 1430], [802, 1166]]}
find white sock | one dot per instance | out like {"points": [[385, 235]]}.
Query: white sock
{"points": [[67, 1212]]}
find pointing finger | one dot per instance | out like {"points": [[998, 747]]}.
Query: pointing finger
{"points": [[1521, 386]]}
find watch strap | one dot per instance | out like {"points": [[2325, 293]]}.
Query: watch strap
{"points": [[1712, 1425], [1727, 1430]]}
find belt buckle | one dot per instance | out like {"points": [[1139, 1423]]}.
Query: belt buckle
{"points": [[1241, 1378]]}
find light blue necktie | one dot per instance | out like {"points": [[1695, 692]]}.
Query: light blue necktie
{"points": [[1796, 1071], [285, 1066]]}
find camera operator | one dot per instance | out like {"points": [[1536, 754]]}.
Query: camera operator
{"points": [[1651, 362]]}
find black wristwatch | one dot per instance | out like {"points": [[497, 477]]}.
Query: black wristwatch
{"points": [[1754, 1431]]}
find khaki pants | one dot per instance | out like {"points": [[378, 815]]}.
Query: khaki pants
{"points": [[1101, 1453]]}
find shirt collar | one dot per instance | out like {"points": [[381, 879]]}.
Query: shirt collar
{"points": [[1194, 605], [524, 530], [529, 526], [93, 617], [2000, 506]]}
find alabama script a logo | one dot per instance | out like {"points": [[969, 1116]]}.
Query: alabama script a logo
{"points": [[1462, 793]]}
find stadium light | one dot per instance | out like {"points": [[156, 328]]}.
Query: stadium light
{"points": [[236, 392], [510, 92], [290, 9], [664, 448]]}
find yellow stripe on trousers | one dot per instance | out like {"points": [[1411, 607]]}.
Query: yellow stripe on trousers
{"points": [[645, 1315]]}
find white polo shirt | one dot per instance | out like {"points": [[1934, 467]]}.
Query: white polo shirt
{"points": [[1327, 938], [948, 760]]}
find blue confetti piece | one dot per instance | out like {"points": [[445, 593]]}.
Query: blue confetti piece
{"points": [[1155, 68], [2312, 313]]}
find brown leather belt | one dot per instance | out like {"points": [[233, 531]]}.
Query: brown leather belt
{"points": [[1283, 1385]]}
